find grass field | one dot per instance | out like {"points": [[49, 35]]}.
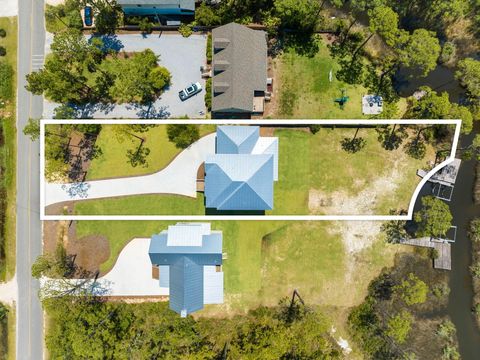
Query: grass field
{"points": [[114, 162], [143, 205], [266, 260], [306, 163], [8, 150], [318, 162], [306, 92]]}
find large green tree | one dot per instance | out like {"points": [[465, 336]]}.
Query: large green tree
{"points": [[434, 218], [302, 15], [421, 51], [468, 73]]}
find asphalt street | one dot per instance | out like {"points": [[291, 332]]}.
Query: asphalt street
{"points": [[31, 38]]}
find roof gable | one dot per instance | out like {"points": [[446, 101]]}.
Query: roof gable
{"points": [[186, 286], [250, 186], [237, 139]]}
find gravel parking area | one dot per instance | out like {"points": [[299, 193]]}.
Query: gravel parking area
{"points": [[181, 56]]}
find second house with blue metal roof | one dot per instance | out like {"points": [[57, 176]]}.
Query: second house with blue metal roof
{"points": [[188, 260], [241, 174]]}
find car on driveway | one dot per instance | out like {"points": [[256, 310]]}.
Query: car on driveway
{"points": [[189, 91], [88, 16]]}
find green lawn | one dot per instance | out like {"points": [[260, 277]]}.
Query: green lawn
{"points": [[266, 260], [143, 205], [306, 92], [8, 151], [306, 163], [318, 162], [114, 162]]}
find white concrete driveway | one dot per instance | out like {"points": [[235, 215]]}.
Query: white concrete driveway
{"points": [[181, 56], [132, 273], [179, 178]]}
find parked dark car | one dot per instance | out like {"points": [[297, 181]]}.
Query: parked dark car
{"points": [[88, 16]]}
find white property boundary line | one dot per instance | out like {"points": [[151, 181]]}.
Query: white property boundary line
{"points": [[409, 215]]}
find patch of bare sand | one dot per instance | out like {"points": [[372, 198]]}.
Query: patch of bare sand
{"points": [[364, 203]]}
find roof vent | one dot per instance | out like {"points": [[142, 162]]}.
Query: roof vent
{"points": [[183, 313], [220, 87], [220, 65], [220, 43]]}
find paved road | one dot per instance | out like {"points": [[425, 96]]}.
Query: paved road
{"points": [[179, 177], [31, 39]]}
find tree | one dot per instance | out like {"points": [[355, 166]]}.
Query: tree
{"points": [[395, 231], [137, 79], [434, 219], [3, 33], [32, 129], [430, 106], [3, 312], [421, 51], [206, 16], [3, 51], [107, 16], [399, 325], [183, 135], [298, 14], [468, 73], [412, 290]]}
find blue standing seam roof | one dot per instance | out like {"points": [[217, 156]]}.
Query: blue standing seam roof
{"points": [[184, 266], [236, 139], [239, 182], [186, 286]]}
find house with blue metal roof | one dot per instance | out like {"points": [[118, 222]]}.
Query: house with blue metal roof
{"points": [[241, 174], [189, 261]]}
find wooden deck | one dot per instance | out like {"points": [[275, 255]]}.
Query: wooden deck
{"points": [[444, 250]]}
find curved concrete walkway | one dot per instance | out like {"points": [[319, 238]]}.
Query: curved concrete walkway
{"points": [[178, 178]]}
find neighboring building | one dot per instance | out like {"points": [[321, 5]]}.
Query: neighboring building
{"points": [[239, 71], [189, 261], [241, 174], [157, 7]]}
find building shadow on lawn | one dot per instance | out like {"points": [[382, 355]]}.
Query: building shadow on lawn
{"points": [[212, 211]]}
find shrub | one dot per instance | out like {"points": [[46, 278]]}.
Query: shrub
{"points": [[448, 52], [3, 33], [160, 77], [183, 135], [475, 270], [412, 290], [145, 26], [185, 30], [3, 51], [476, 310], [398, 326], [446, 330], [440, 290], [208, 94], [314, 128], [474, 230], [209, 48]]}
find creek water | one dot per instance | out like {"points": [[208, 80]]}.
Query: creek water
{"points": [[463, 210], [460, 301]]}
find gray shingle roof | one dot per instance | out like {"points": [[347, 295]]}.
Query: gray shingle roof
{"points": [[242, 55]]}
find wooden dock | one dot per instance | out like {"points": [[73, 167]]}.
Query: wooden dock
{"points": [[444, 250]]}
